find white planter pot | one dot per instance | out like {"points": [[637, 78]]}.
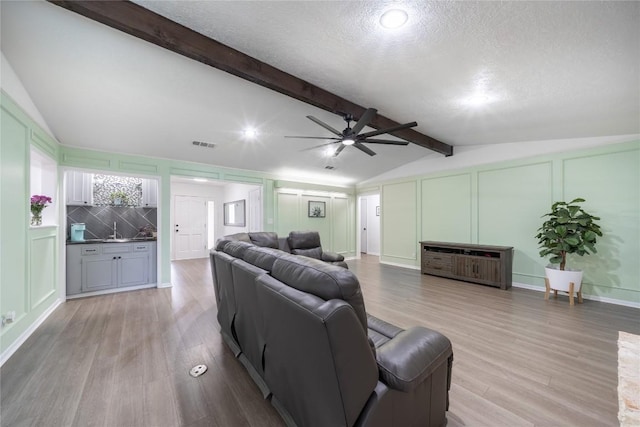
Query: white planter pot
{"points": [[560, 279]]}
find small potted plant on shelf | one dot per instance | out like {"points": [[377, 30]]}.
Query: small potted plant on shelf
{"points": [[568, 229], [119, 198]]}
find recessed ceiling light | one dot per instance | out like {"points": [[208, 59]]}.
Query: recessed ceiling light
{"points": [[477, 100], [250, 133], [394, 18]]}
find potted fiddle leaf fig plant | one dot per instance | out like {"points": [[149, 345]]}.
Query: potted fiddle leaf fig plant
{"points": [[568, 229]]}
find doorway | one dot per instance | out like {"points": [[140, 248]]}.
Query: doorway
{"points": [[190, 227], [369, 220]]}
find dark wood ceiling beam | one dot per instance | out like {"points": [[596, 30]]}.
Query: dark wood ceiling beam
{"points": [[147, 25]]}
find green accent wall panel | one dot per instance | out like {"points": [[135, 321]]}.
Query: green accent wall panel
{"points": [[14, 217], [610, 183], [446, 209], [243, 179], [398, 222], [45, 143], [86, 160], [321, 225], [42, 266], [510, 203], [194, 173], [287, 214], [341, 222], [137, 167]]}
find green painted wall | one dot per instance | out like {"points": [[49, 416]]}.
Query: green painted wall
{"points": [[398, 222], [336, 228], [28, 256], [502, 203]]}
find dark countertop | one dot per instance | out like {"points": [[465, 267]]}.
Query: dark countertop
{"points": [[101, 241]]}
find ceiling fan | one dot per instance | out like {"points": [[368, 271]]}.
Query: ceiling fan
{"points": [[352, 136]]}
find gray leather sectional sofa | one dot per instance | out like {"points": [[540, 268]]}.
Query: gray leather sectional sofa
{"points": [[300, 328]]}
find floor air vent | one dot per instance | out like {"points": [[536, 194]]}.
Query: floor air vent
{"points": [[198, 370], [203, 144]]}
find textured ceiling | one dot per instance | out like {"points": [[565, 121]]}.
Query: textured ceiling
{"points": [[548, 70]]}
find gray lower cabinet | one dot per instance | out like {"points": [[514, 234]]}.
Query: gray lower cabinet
{"points": [[96, 267]]}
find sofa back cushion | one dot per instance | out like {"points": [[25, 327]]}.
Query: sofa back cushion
{"points": [[266, 239], [262, 257], [323, 280], [236, 249]]}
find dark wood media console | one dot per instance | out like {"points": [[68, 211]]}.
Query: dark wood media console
{"points": [[487, 265]]}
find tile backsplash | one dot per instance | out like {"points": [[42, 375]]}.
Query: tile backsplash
{"points": [[99, 220], [105, 185]]}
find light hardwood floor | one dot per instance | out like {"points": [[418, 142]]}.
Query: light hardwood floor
{"points": [[123, 359]]}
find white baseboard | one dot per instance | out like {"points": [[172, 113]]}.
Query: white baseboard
{"points": [[395, 264], [112, 291], [584, 296], [164, 285], [26, 334]]}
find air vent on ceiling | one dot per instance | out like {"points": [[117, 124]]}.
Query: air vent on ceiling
{"points": [[204, 144], [329, 167]]}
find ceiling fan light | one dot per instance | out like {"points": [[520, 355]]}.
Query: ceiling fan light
{"points": [[394, 18], [348, 141], [250, 133]]}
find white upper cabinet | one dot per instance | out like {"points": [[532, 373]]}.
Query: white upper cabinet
{"points": [[79, 188], [149, 193]]}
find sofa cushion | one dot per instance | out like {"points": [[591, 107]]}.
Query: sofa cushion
{"points": [[236, 248], [267, 239], [321, 279], [262, 257], [311, 253]]}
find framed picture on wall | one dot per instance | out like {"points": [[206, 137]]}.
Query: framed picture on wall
{"points": [[377, 210], [316, 209]]}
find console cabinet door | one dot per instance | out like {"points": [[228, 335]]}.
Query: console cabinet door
{"points": [[478, 269], [99, 272], [133, 269]]}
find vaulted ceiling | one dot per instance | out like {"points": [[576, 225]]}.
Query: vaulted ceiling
{"points": [[470, 73]]}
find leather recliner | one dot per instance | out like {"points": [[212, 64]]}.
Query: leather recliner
{"points": [[307, 243]]}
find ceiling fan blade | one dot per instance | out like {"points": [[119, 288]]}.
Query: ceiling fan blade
{"points": [[365, 120], [314, 137], [339, 150], [389, 130], [319, 146], [383, 141], [324, 125], [361, 147]]}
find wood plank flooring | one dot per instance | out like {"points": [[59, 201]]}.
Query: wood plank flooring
{"points": [[123, 359]]}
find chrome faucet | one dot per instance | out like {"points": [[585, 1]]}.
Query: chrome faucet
{"points": [[115, 230]]}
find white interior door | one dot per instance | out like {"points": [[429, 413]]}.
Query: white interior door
{"points": [[255, 210], [189, 227], [363, 225]]}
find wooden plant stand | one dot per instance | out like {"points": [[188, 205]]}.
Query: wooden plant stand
{"points": [[555, 292]]}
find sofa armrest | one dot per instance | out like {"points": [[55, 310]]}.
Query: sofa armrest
{"points": [[411, 356], [331, 257]]}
